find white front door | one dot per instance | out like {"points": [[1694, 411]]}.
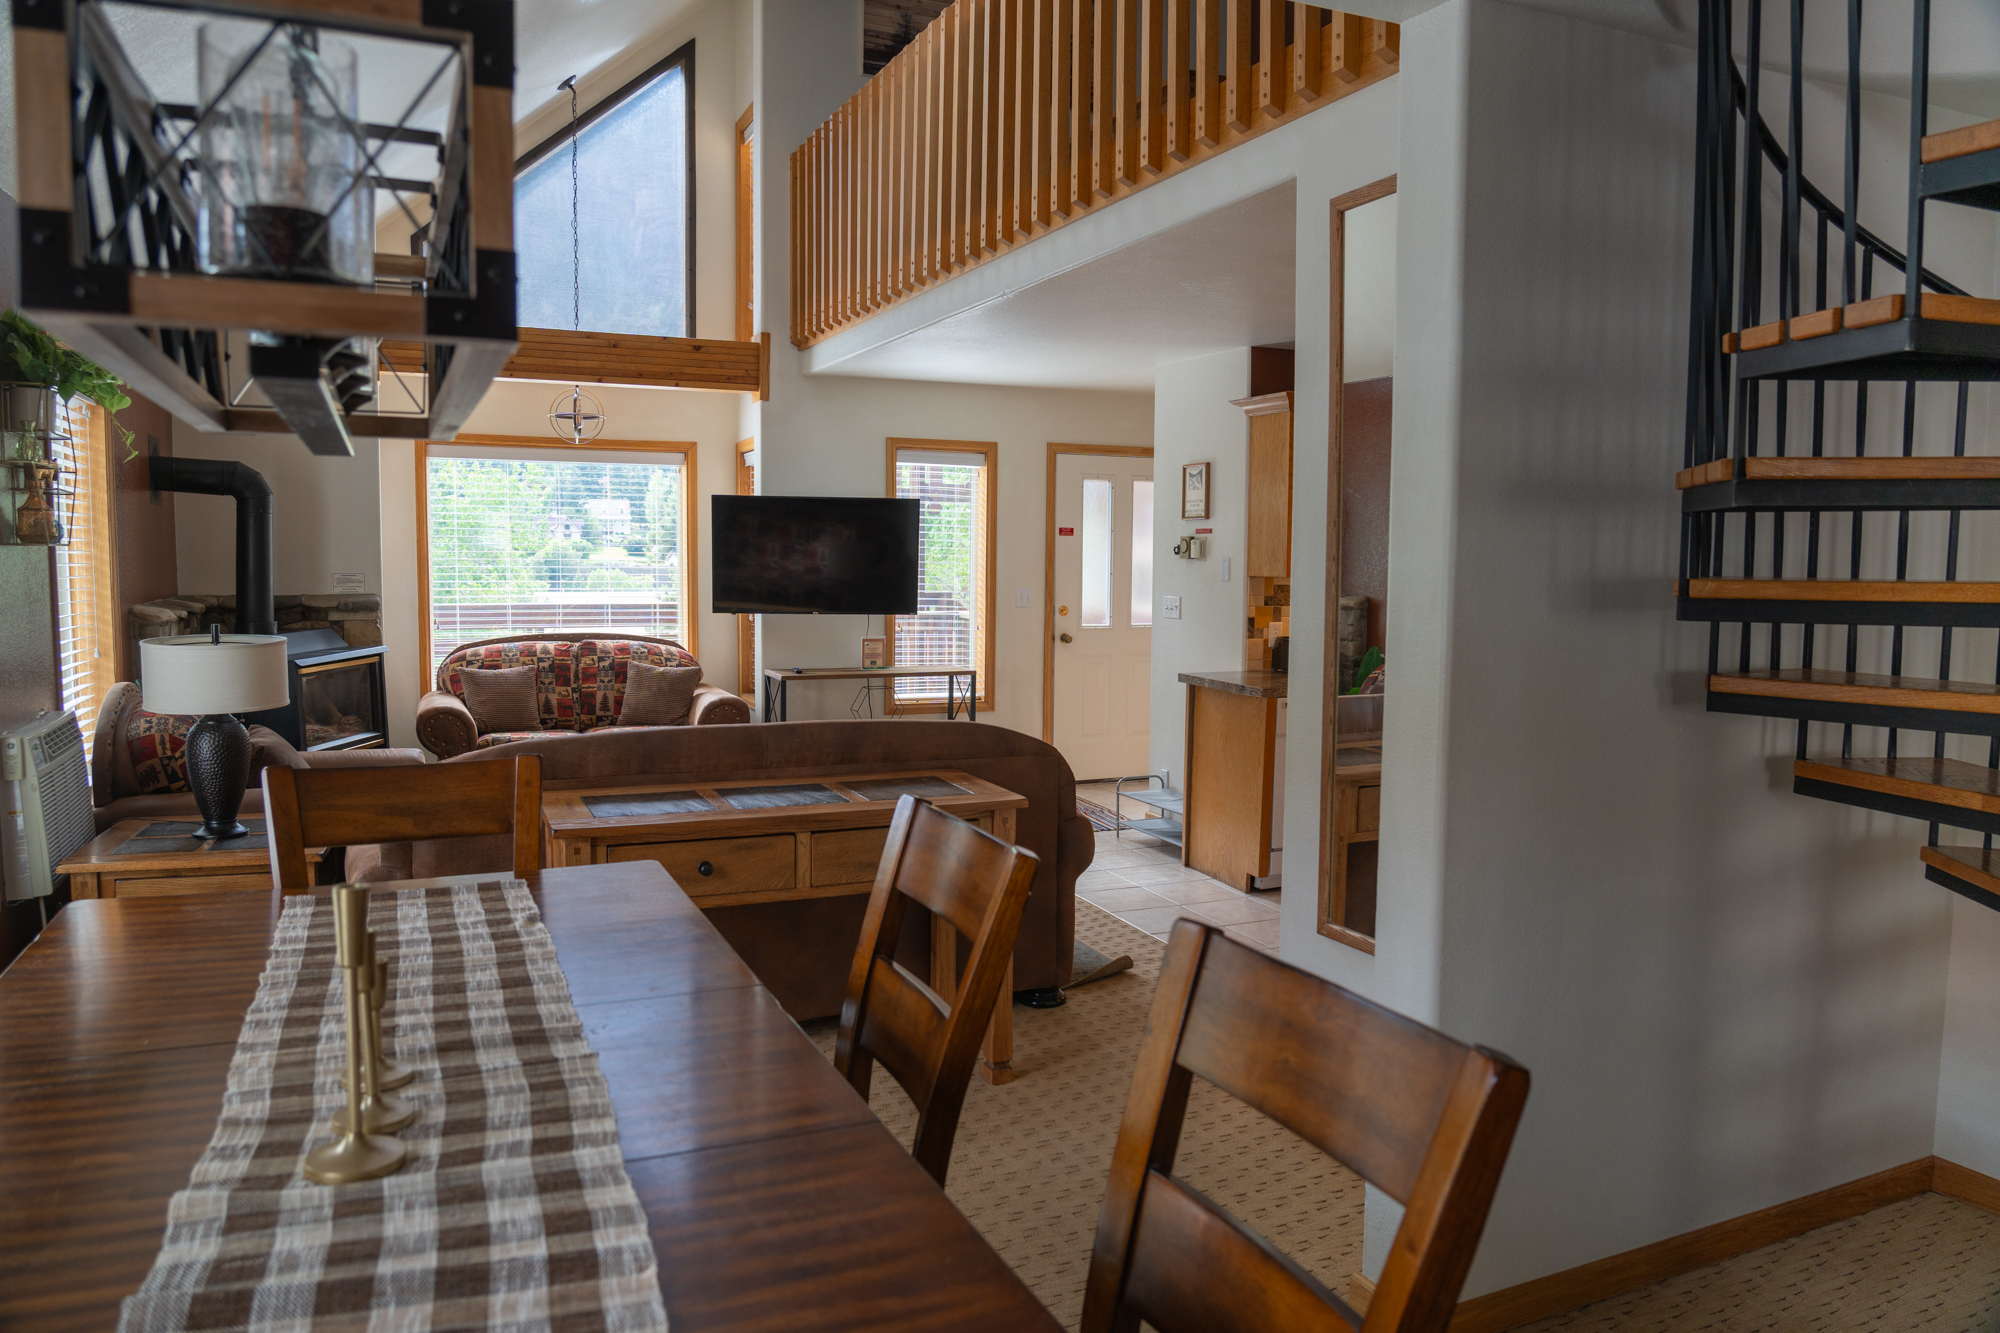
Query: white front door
{"points": [[1104, 613]]}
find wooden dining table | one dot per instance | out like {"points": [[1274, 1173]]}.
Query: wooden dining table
{"points": [[775, 1198]]}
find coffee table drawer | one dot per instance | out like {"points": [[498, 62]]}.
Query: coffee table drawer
{"points": [[733, 865], [847, 856], [174, 886]]}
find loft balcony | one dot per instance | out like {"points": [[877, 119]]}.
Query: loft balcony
{"points": [[1007, 119]]}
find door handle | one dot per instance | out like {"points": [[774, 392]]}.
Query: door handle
{"points": [[1064, 637]]}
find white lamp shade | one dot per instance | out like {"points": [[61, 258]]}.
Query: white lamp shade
{"points": [[188, 673]]}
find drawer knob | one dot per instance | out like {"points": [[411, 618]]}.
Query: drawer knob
{"points": [[705, 868]]}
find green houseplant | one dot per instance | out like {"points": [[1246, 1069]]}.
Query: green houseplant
{"points": [[70, 374]]}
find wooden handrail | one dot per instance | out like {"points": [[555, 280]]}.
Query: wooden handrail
{"points": [[1005, 119]]}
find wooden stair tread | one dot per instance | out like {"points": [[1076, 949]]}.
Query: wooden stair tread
{"points": [[1953, 782], [1964, 696], [1958, 143], [1932, 468], [1842, 590], [1861, 315], [1973, 865]]}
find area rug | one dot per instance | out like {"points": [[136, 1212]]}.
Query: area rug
{"points": [[1100, 818], [1029, 1165], [1088, 965]]}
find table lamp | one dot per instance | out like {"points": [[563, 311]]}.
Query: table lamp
{"points": [[215, 675]]}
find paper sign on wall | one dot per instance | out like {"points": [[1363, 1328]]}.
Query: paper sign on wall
{"points": [[349, 583]]}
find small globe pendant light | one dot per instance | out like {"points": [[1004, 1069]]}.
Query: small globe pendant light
{"points": [[576, 416]]}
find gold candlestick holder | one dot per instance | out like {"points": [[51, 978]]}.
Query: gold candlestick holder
{"points": [[358, 1154], [380, 1113], [388, 1073]]}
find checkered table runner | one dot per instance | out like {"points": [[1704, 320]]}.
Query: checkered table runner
{"points": [[512, 1211]]}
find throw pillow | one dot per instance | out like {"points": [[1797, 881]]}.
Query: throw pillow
{"points": [[270, 750], [504, 699], [658, 696]]}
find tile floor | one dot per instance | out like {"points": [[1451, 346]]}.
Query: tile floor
{"points": [[1141, 881]]}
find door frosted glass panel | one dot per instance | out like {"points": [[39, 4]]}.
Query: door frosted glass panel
{"points": [[1097, 501], [632, 184], [1142, 552]]}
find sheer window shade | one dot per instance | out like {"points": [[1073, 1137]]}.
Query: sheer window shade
{"points": [[953, 624], [534, 541], [86, 617]]}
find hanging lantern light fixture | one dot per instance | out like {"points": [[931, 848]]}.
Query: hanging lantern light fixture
{"points": [[576, 415]]}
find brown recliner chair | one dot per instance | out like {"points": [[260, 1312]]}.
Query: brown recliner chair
{"points": [[116, 787], [802, 949], [579, 686]]}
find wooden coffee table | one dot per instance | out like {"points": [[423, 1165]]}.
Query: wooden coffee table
{"points": [[160, 858], [732, 843]]}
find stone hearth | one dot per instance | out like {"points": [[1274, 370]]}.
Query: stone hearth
{"points": [[357, 616]]}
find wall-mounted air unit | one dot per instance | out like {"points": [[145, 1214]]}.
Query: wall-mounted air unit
{"points": [[47, 792]]}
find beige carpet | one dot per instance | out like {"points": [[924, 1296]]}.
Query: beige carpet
{"points": [[1029, 1164]]}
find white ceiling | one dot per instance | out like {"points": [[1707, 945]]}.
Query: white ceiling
{"points": [[1222, 280], [554, 39]]}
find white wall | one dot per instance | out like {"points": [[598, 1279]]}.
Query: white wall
{"points": [[1729, 996], [706, 420], [1968, 1112], [1193, 422], [325, 517]]}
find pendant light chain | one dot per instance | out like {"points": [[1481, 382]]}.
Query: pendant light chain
{"points": [[584, 418]]}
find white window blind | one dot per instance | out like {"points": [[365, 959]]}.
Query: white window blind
{"points": [[525, 540], [949, 628], [85, 617]]}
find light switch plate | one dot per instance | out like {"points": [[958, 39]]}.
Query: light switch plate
{"points": [[1024, 596], [1170, 608]]}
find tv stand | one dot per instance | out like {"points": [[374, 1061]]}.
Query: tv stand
{"points": [[956, 696]]}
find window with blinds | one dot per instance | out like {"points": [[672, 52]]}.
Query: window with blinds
{"points": [[86, 619], [954, 621], [524, 540]]}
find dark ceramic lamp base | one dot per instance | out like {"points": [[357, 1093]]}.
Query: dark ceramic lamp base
{"points": [[218, 755]]}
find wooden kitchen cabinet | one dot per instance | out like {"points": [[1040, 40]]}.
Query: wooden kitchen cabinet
{"points": [[1268, 534]]}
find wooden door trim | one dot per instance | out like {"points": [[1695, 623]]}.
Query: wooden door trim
{"points": [[746, 664], [1327, 911], [1049, 568]]}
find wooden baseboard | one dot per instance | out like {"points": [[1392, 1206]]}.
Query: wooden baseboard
{"points": [[1966, 1185], [1560, 1293]]}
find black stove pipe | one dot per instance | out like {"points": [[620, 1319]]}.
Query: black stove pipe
{"points": [[256, 605]]}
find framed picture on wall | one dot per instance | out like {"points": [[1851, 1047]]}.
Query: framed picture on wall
{"points": [[1194, 490]]}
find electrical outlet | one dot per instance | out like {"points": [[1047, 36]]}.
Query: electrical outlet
{"points": [[1024, 596], [1170, 608]]}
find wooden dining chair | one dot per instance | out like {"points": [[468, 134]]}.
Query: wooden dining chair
{"points": [[342, 807], [1426, 1119], [974, 884]]}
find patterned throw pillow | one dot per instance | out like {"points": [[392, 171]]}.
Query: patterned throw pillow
{"points": [[601, 668], [658, 696], [503, 700], [554, 663], [155, 742]]}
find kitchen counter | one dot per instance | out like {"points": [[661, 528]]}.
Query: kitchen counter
{"points": [[1254, 684]]}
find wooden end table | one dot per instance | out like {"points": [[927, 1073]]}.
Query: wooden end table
{"points": [[160, 858], [768, 841]]}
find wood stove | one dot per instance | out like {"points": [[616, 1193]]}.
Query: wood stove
{"points": [[338, 697]]}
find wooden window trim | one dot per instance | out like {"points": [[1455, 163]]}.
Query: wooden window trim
{"points": [[689, 520], [991, 450], [746, 230], [1331, 907]]}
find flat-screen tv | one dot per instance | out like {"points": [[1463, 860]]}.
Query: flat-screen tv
{"points": [[810, 554]]}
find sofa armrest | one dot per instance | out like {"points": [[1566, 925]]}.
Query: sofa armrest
{"points": [[713, 705], [378, 758], [445, 725]]}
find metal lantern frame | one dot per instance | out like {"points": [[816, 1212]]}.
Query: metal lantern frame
{"points": [[122, 287]]}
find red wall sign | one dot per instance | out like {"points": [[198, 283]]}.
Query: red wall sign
{"points": [[1203, 532], [1065, 532]]}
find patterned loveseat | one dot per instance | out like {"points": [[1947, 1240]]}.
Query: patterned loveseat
{"points": [[579, 683]]}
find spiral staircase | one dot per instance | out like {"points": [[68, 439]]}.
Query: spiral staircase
{"points": [[1789, 516]]}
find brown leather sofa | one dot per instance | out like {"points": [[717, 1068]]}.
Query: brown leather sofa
{"points": [[802, 949], [579, 686], [114, 778]]}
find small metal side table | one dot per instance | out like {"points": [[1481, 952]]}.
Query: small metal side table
{"points": [[955, 695]]}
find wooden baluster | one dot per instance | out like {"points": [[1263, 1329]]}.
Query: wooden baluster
{"points": [[1007, 22], [797, 240], [1129, 91], [1208, 89], [925, 148], [1273, 78], [986, 146], [1385, 41], [1178, 66], [1307, 60], [1082, 110], [1239, 90], [1042, 15], [958, 95], [1348, 41], [1104, 100], [867, 208], [836, 207], [1062, 26], [892, 233], [1153, 92], [816, 237]]}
